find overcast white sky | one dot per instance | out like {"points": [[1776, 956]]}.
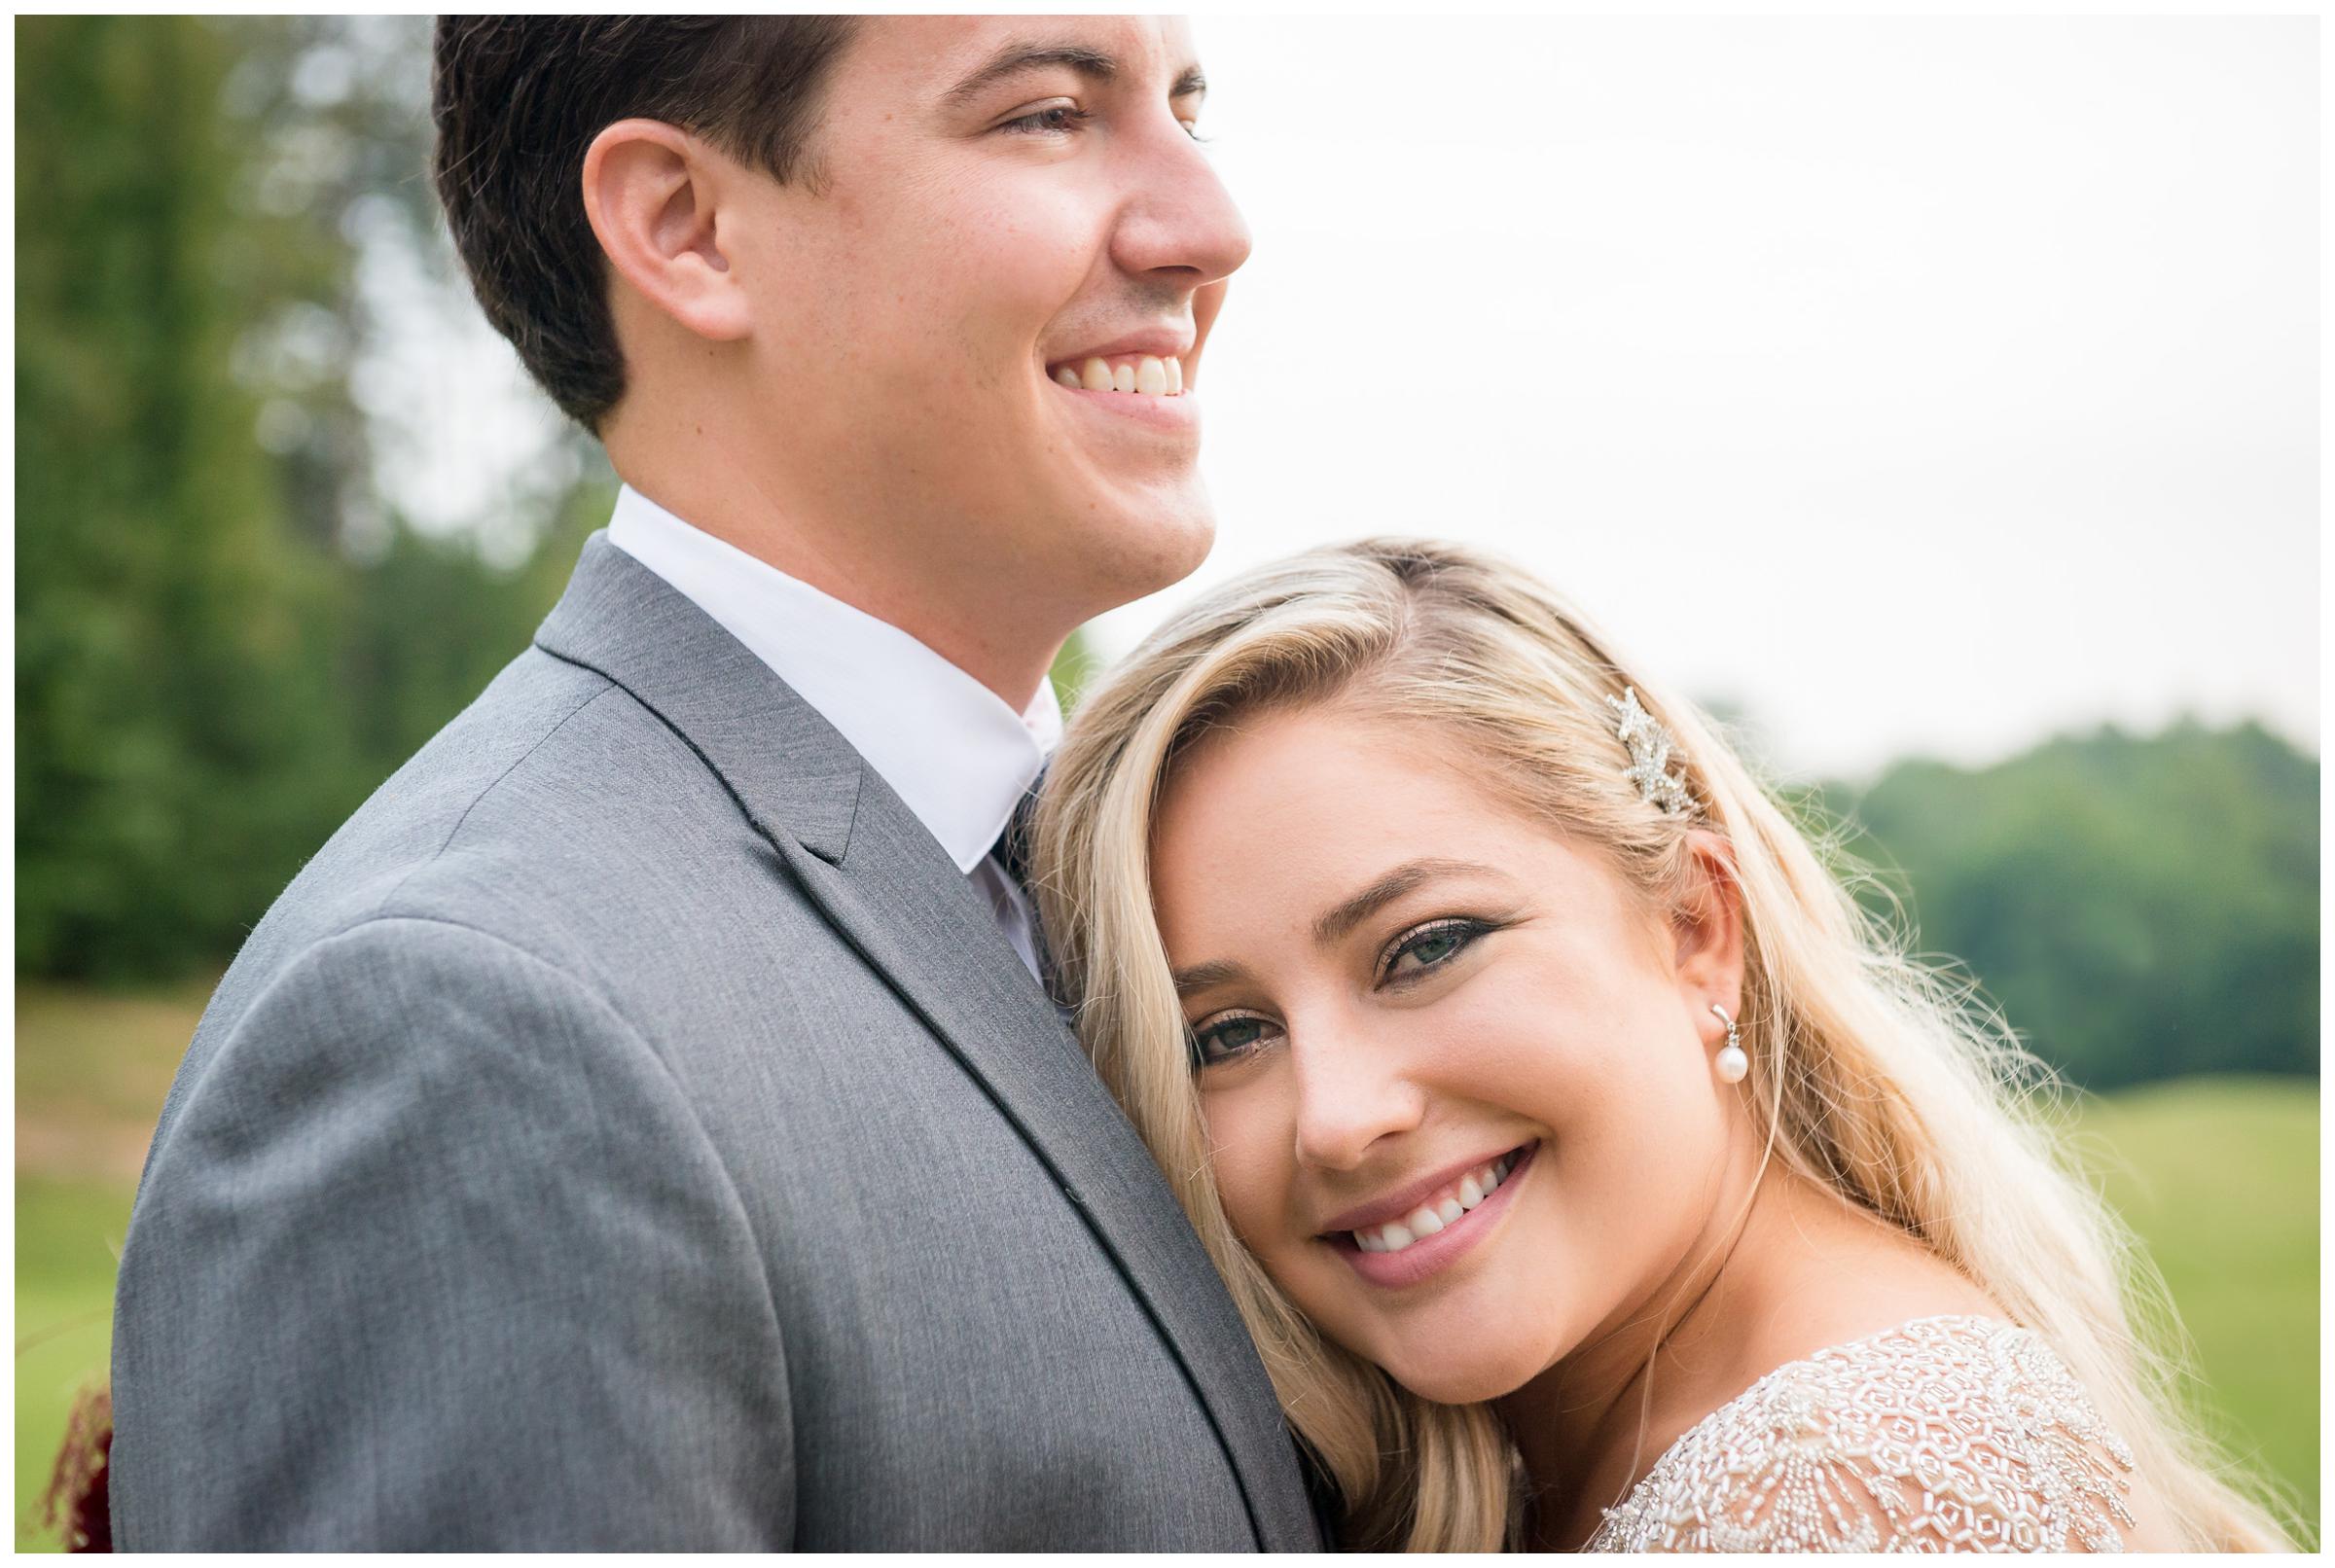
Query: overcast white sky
{"points": [[1913, 384]]}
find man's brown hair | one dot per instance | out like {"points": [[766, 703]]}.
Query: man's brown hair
{"points": [[518, 100]]}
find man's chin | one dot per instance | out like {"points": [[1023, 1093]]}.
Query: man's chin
{"points": [[1153, 546]]}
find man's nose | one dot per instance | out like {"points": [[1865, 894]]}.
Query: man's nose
{"points": [[1181, 224], [1350, 1093]]}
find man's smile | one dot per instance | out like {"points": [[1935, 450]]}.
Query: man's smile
{"points": [[1142, 375], [1147, 364]]}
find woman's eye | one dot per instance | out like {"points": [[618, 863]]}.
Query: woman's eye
{"points": [[1224, 1039], [1429, 951], [1059, 117], [1430, 945]]}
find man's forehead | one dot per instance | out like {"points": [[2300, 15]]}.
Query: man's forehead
{"points": [[937, 53]]}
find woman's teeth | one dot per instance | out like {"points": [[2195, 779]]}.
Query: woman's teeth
{"points": [[1145, 374], [1438, 1211]]}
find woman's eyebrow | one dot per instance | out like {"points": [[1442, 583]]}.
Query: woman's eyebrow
{"points": [[1200, 976], [1334, 923]]}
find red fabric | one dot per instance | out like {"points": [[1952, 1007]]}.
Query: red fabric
{"points": [[76, 1499], [89, 1526]]}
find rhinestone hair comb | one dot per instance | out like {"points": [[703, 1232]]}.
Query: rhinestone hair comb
{"points": [[1650, 747]]}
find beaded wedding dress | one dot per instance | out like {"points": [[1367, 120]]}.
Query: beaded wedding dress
{"points": [[1944, 1434]]}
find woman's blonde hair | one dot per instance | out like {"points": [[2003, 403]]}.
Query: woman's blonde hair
{"points": [[1871, 1073]]}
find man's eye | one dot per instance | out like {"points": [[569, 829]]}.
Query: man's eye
{"points": [[1225, 1038], [1417, 951], [1059, 118]]}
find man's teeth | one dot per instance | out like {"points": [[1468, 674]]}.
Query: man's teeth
{"points": [[1439, 1211], [1147, 375]]}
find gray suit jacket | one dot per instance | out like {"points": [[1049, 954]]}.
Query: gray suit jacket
{"points": [[632, 1130]]}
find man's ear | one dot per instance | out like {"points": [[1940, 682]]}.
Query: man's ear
{"points": [[1708, 926], [652, 192]]}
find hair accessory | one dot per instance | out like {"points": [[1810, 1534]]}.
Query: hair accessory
{"points": [[1650, 746], [1731, 1064]]}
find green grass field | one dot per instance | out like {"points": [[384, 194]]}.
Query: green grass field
{"points": [[2219, 1176]]}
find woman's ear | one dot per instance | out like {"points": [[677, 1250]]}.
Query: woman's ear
{"points": [[1708, 926], [652, 194]]}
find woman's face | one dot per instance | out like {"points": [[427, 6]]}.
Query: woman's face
{"points": [[1397, 984]]}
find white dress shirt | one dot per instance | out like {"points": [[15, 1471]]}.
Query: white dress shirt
{"points": [[954, 752]]}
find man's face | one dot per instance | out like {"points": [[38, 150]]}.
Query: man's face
{"points": [[1000, 202]]}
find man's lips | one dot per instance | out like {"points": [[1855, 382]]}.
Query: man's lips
{"points": [[1150, 362], [1161, 342], [1125, 374]]}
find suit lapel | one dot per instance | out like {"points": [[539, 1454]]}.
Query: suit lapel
{"points": [[888, 887]]}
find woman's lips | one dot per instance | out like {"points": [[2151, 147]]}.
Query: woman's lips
{"points": [[1427, 1256]]}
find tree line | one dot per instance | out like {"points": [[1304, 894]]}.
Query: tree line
{"points": [[2141, 907]]}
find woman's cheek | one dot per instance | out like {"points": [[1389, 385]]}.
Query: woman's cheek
{"points": [[1251, 1182]]}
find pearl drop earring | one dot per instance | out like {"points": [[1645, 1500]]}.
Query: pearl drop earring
{"points": [[1731, 1064]]}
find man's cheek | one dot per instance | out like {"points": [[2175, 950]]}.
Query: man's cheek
{"points": [[1019, 258]]}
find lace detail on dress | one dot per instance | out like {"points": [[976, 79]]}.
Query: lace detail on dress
{"points": [[1946, 1434]]}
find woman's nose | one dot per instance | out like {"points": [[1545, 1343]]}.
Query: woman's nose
{"points": [[1350, 1092]]}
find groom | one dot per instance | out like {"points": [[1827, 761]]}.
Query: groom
{"points": [[640, 1126]]}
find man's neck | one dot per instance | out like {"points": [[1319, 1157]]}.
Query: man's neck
{"points": [[997, 636]]}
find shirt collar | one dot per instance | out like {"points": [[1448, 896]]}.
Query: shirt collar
{"points": [[954, 753]]}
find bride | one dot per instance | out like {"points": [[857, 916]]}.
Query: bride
{"points": [[1589, 1169]]}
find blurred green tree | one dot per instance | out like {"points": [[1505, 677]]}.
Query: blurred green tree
{"points": [[2141, 907], [225, 632], [172, 694]]}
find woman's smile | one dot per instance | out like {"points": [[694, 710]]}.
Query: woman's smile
{"points": [[1436, 1231]]}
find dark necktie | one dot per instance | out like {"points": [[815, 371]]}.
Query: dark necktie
{"points": [[1012, 847], [1011, 851]]}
